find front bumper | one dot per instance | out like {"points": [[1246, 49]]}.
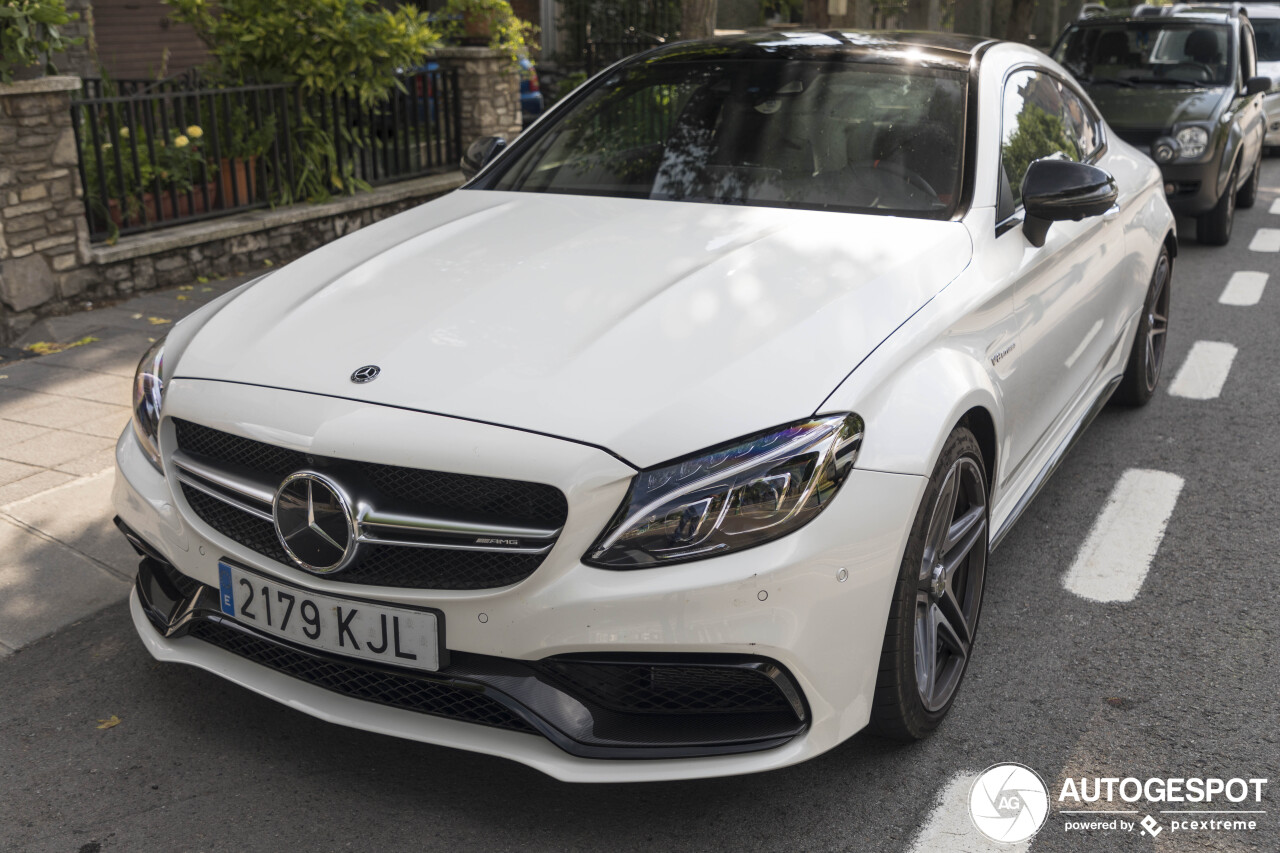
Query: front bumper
{"points": [[1195, 187], [778, 604]]}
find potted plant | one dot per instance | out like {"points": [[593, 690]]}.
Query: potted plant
{"points": [[30, 35], [160, 178], [488, 23], [243, 142]]}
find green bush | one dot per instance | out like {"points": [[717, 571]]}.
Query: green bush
{"points": [[352, 47], [29, 35], [327, 47], [490, 21]]}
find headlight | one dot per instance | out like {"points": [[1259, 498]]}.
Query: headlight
{"points": [[731, 497], [148, 394], [1192, 141]]}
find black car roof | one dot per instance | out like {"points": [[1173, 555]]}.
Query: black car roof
{"points": [[946, 50], [1207, 16]]}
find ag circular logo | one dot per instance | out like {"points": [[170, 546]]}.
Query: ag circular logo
{"points": [[368, 373], [1009, 803], [314, 521]]}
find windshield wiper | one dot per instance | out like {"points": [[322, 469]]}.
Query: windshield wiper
{"points": [[1112, 81], [1171, 81]]}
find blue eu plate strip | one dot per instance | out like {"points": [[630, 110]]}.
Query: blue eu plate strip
{"points": [[227, 596]]}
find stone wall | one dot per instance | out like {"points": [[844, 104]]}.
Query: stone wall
{"points": [[240, 244], [47, 265], [43, 233], [489, 92], [79, 60]]}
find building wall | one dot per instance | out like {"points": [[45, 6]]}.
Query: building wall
{"points": [[138, 40]]}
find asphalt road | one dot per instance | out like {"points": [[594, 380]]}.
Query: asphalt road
{"points": [[1180, 682]]}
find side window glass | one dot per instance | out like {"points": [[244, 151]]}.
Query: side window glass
{"points": [[1084, 127], [1035, 124]]}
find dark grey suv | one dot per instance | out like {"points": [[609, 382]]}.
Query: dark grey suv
{"points": [[1183, 87]]}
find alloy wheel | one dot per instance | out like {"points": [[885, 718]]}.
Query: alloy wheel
{"points": [[1157, 324], [949, 589]]}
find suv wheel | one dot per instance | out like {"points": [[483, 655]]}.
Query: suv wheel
{"points": [[1214, 227], [1249, 192]]}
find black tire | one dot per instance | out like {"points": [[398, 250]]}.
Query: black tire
{"points": [[1248, 194], [1214, 227], [901, 710], [1146, 356]]}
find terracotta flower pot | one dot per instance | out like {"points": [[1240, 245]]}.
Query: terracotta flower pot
{"points": [[165, 210], [242, 175], [477, 28]]}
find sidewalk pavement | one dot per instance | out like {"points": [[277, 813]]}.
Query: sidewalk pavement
{"points": [[61, 558]]}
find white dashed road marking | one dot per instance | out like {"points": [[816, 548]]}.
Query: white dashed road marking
{"points": [[950, 828], [1114, 560], [1266, 240], [1275, 206], [1205, 371], [1244, 288]]}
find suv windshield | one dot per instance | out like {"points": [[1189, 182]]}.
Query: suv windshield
{"points": [[1135, 53], [798, 134], [1267, 32]]}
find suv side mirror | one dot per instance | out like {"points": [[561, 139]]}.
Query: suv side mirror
{"points": [[480, 153], [1254, 85], [1055, 190]]}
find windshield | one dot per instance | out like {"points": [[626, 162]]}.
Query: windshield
{"points": [[1153, 53], [798, 134], [1267, 32]]}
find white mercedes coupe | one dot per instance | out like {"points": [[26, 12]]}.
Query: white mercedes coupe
{"points": [[674, 444]]}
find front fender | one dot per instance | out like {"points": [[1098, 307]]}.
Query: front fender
{"points": [[909, 417], [1230, 153]]}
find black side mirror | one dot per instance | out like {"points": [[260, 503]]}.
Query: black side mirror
{"points": [[1054, 190], [1254, 85], [479, 153]]}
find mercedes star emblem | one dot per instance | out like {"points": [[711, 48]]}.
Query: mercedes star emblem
{"points": [[368, 373], [314, 521]]}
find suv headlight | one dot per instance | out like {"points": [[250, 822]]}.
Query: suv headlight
{"points": [[148, 394], [1192, 142], [731, 497]]}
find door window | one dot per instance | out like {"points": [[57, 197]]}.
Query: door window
{"points": [[1037, 123]]}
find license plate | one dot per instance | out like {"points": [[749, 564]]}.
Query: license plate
{"points": [[399, 636]]}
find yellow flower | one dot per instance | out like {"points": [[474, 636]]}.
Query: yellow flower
{"points": [[195, 132], [181, 141], [124, 133]]}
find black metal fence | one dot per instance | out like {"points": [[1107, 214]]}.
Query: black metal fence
{"points": [[600, 32], [153, 159]]}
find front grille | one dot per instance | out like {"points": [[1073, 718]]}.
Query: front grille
{"points": [[670, 688], [249, 530], [1141, 138], [514, 501], [423, 695], [405, 490]]}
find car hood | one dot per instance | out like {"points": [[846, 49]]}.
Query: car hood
{"points": [[649, 328], [1149, 107], [1270, 69]]}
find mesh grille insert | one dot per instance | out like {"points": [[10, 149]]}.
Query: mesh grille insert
{"points": [[671, 688], [423, 695]]}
